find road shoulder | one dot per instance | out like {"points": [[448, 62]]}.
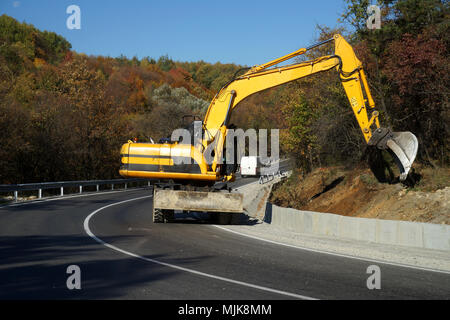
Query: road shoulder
{"points": [[398, 255]]}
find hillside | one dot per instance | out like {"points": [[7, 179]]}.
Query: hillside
{"points": [[355, 192], [65, 115]]}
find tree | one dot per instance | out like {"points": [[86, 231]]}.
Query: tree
{"points": [[407, 62], [299, 140], [165, 63], [418, 68]]}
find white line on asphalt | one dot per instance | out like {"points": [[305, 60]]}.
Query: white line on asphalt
{"points": [[203, 274], [68, 197], [332, 253]]}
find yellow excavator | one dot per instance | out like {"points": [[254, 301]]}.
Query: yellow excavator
{"points": [[183, 167]]}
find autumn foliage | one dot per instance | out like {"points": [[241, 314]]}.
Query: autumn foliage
{"points": [[64, 115]]}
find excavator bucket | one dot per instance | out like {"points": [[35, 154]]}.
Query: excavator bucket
{"points": [[402, 145]]}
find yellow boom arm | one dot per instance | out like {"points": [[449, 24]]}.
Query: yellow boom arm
{"points": [[261, 77]]}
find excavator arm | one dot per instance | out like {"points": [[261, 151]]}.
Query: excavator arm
{"points": [[403, 144]]}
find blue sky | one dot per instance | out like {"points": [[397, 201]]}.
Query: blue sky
{"points": [[246, 32]]}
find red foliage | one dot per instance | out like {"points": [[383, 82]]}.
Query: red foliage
{"points": [[68, 57], [413, 64], [419, 71]]}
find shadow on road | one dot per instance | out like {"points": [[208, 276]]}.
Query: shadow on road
{"points": [[209, 219], [54, 204], [34, 267]]}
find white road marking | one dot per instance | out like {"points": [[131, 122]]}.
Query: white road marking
{"points": [[199, 273], [17, 204], [332, 253]]}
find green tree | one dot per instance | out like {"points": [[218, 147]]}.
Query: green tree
{"points": [[165, 63]]}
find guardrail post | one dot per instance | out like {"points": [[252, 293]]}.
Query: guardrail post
{"points": [[62, 191], [15, 196], [98, 188], [112, 186], [40, 194], [149, 183], [81, 189]]}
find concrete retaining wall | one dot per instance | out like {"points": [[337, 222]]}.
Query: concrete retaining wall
{"points": [[413, 234]]}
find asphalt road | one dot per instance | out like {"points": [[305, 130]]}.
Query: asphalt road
{"points": [[126, 256]]}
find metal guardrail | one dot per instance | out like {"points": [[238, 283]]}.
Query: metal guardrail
{"points": [[65, 184], [269, 177]]}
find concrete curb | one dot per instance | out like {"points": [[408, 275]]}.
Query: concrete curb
{"points": [[405, 233]]}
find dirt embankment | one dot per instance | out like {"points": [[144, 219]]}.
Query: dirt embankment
{"points": [[357, 193]]}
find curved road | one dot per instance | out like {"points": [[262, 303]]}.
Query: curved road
{"points": [[122, 254]]}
